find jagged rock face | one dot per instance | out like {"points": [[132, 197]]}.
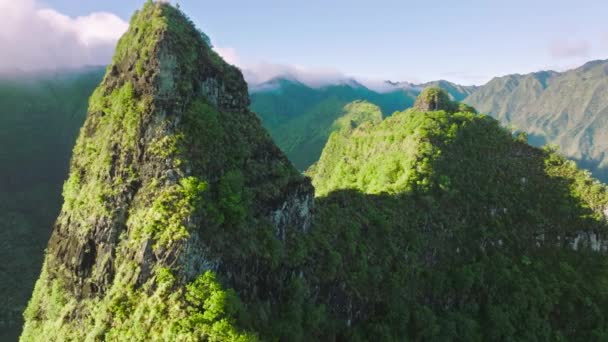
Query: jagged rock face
{"points": [[171, 172], [296, 210], [594, 241]]}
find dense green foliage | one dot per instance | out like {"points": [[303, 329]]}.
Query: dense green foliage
{"points": [[168, 194], [183, 221], [567, 109], [39, 118], [355, 114], [202, 310], [48, 110], [442, 226]]}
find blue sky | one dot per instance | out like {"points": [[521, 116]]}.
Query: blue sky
{"points": [[463, 41]]}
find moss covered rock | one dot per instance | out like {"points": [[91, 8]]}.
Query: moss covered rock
{"points": [[176, 195]]}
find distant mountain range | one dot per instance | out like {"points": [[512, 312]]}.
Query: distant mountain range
{"points": [[568, 109]]}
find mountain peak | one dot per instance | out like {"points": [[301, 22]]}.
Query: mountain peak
{"points": [[432, 99], [172, 181], [164, 53]]}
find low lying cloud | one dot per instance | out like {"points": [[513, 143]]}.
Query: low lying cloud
{"points": [[262, 72], [258, 73], [229, 55], [36, 38], [567, 48]]}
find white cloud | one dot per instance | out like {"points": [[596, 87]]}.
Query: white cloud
{"points": [[567, 48], [35, 38], [229, 55], [96, 28], [314, 77], [256, 74], [260, 72]]}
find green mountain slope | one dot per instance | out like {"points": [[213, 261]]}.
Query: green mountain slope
{"points": [[41, 116], [299, 117], [304, 137], [39, 119], [176, 196], [567, 109], [182, 220], [442, 226], [357, 113]]}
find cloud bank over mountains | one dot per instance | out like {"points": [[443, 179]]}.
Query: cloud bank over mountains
{"points": [[261, 72], [35, 38]]}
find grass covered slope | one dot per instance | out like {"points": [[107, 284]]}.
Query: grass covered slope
{"points": [[440, 225], [176, 196]]}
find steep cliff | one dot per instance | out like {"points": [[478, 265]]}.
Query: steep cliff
{"points": [[175, 194]]}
